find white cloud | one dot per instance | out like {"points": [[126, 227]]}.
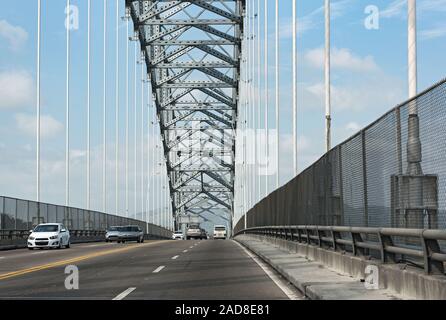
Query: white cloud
{"points": [[433, 33], [16, 89], [341, 59], [372, 94], [15, 35], [353, 127], [314, 19], [394, 9], [28, 124]]}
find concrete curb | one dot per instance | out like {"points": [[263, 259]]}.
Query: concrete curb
{"points": [[311, 278]]}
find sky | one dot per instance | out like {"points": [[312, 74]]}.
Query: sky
{"points": [[369, 77]]}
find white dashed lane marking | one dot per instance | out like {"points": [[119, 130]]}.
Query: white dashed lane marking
{"points": [[124, 294], [174, 258], [184, 251], [159, 269]]}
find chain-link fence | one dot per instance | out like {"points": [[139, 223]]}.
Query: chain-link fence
{"points": [[23, 215], [390, 174]]}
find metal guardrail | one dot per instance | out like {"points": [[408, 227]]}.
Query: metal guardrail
{"points": [[359, 243], [23, 234]]}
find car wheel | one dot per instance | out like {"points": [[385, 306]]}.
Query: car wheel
{"points": [[68, 244], [142, 240], [30, 248]]}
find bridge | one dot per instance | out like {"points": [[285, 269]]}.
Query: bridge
{"points": [[183, 124]]}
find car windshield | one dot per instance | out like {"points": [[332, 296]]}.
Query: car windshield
{"points": [[193, 227], [220, 228], [179, 232], [130, 229], [114, 229], [47, 228]]}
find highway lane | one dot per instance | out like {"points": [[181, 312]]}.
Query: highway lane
{"points": [[177, 270]]}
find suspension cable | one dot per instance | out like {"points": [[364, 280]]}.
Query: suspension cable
{"points": [[104, 114], [266, 31], [277, 96], [294, 58], [39, 31], [117, 113], [88, 102], [67, 108]]}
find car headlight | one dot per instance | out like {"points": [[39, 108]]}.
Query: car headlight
{"points": [[53, 237], [31, 238]]}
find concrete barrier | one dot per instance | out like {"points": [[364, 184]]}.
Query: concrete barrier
{"points": [[402, 279]]}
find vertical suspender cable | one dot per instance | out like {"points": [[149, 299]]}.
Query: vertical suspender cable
{"points": [[104, 114], [266, 99], [117, 113], [135, 184], [149, 158], [259, 108], [254, 104], [88, 102], [245, 96], [247, 50], [143, 171], [39, 15], [327, 78], [277, 96], [412, 53], [67, 110], [294, 53], [127, 116]]}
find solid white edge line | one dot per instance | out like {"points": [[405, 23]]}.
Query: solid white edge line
{"points": [[173, 258], [124, 294], [159, 269], [277, 280]]}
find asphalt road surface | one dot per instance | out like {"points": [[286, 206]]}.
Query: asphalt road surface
{"points": [[159, 270]]}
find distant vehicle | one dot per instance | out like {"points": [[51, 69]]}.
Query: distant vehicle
{"points": [[130, 233], [112, 234], [220, 232], [49, 235], [193, 232], [204, 234], [178, 235]]}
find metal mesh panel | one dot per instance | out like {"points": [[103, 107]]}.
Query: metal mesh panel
{"points": [[377, 178]]}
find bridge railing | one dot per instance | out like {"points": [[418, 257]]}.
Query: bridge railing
{"points": [[359, 241], [18, 216], [369, 180]]}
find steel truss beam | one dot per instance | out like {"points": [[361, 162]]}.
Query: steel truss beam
{"points": [[192, 50]]}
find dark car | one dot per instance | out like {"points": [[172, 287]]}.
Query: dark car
{"points": [[204, 234], [131, 233]]}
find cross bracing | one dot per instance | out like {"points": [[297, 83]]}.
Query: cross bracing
{"points": [[192, 51]]}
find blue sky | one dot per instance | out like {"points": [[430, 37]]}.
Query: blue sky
{"points": [[369, 77]]}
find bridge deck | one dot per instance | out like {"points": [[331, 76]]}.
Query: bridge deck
{"points": [[208, 270]]}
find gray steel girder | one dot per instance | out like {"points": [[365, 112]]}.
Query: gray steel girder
{"points": [[192, 51]]}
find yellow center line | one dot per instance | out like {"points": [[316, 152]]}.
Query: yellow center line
{"points": [[72, 260]]}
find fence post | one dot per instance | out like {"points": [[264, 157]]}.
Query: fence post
{"points": [[357, 251], [431, 266], [335, 235], [386, 257], [364, 178]]}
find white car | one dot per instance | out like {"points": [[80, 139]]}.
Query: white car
{"points": [[178, 235], [220, 232], [49, 235]]}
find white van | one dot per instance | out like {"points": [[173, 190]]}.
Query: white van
{"points": [[219, 232]]}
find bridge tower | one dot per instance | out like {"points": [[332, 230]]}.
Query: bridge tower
{"points": [[192, 50]]}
